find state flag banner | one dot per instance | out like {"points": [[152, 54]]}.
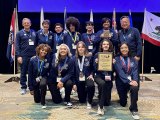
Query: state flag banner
{"points": [[151, 28]]}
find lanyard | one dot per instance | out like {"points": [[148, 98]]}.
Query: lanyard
{"points": [[25, 33], [73, 38], [124, 37], [40, 66], [60, 66], [80, 64], [58, 37], [125, 65], [89, 38]]}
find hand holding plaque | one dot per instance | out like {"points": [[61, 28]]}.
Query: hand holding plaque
{"points": [[105, 61]]}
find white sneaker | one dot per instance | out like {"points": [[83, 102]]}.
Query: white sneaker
{"points": [[89, 106], [135, 115], [44, 107], [100, 111], [23, 91], [69, 104]]}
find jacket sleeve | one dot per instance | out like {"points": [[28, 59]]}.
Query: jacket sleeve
{"points": [[119, 71], [70, 71], [135, 71], [139, 43]]}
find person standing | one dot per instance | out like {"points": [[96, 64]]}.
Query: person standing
{"points": [[44, 36], [25, 49], [130, 35], [72, 36], [89, 36], [106, 33], [58, 35]]}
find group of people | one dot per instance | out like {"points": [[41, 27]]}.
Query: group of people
{"points": [[68, 59]]}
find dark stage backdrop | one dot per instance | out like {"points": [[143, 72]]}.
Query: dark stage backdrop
{"points": [[151, 52]]}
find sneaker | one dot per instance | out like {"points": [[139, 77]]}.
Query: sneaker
{"points": [[44, 107], [100, 111], [135, 115], [23, 91], [89, 106], [69, 104], [65, 103]]}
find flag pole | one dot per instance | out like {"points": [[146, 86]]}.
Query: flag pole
{"points": [[14, 78], [143, 77]]}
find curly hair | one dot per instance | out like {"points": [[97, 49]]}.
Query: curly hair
{"points": [[110, 45], [72, 21], [42, 46]]}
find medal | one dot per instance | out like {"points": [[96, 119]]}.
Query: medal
{"points": [[59, 73], [81, 74]]}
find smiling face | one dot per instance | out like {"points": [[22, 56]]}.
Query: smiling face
{"points": [[72, 28], [105, 46], [89, 27], [46, 26], [43, 52], [124, 50], [63, 51], [125, 23], [58, 29], [81, 49], [26, 23], [106, 25]]}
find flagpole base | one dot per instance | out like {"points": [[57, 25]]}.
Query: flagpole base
{"points": [[12, 79], [144, 78]]}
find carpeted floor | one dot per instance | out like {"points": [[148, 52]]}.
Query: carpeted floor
{"points": [[14, 106]]}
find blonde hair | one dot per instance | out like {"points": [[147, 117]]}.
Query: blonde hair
{"points": [[57, 55]]}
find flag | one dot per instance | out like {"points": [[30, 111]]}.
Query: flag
{"points": [[65, 17], [130, 19], [41, 18], [91, 17], [12, 35], [114, 24], [151, 28]]}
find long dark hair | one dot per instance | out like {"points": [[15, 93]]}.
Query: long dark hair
{"points": [[119, 48], [110, 45]]}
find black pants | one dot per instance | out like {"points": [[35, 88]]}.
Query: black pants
{"points": [[105, 89], [40, 92], [55, 93], [123, 89], [68, 88], [85, 90]]}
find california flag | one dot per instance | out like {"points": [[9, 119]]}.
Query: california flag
{"points": [[151, 28]]}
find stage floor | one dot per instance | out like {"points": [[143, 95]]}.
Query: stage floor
{"points": [[14, 106]]}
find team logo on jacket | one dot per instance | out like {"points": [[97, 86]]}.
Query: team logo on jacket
{"points": [[33, 34], [65, 66], [46, 65], [132, 64], [129, 35], [50, 37]]}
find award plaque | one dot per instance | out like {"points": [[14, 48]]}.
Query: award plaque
{"points": [[105, 61]]}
